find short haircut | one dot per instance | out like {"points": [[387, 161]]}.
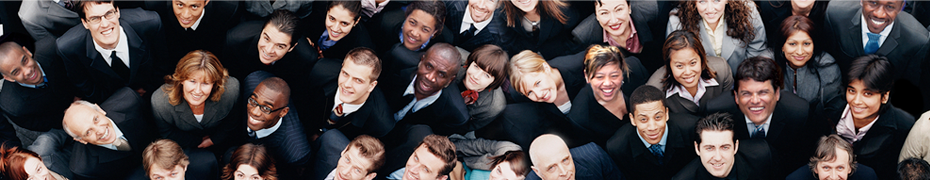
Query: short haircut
{"points": [[80, 5], [826, 151], [369, 148], [720, 121], [253, 155], [13, 161], [875, 72], [6, 48], [286, 22], [599, 56], [164, 152], [527, 62], [759, 69], [441, 147], [519, 163], [64, 124], [492, 59], [277, 84], [196, 61], [913, 169], [366, 57], [645, 94], [354, 7], [794, 24], [435, 8], [677, 41]]}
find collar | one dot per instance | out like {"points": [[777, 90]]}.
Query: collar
{"points": [[765, 126], [197, 23], [41, 84], [662, 143], [262, 133], [122, 49], [346, 108], [565, 108], [701, 88], [119, 134], [613, 42], [865, 31], [418, 104], [401, 34], [332, 175], [846, 127], [467, 20]]}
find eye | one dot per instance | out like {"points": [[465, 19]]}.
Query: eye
{"points": [[537, 83], [850, 91], [725, 148], [678, 66], [179, 5], [345, 24], [792, 44], [487, 75], [693, 63], [659, 117], [358, 80], [807, 44], [358, 170], [867, 93]]}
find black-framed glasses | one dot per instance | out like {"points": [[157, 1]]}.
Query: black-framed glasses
{"points": [[264, 108], [96, 19]]}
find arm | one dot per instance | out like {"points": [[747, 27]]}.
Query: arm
{"points": [[916, 145], [479, 151], [757, 46]]}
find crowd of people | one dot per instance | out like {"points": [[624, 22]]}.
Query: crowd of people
{"points": [[465, 89]]}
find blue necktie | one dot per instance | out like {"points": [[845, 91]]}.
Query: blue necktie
{"points": [[759, 133], [657, 151], [872, 45]]}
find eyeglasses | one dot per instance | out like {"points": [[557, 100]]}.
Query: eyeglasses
{"points": [[264, 108], [96, 19]]}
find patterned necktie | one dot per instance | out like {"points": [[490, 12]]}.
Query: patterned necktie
{"points": [[252, 134], [118, 66], [657, 151], [121, 144], [872, 45], [759, 133], [470, 96], [336, 115]]}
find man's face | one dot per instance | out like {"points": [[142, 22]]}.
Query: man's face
{"points": [[554, 163], [423, 165], [272, 101], [650, 119], [273, 44], [717, 151], [418, 28], [102, 20], [481, 10], [18, 66], [879, 14], [606, 82], [355, 82], [756, 99], [433, 74], [159, 173], [352, 166], [836, 169], [188, 11], [89, 124]]}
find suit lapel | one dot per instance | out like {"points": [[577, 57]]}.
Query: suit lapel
{"points": [[136, 50], [96, 59], [546, 27], [707, 41], [878, 135], [891, 42], [185, 113], [118, 118], [687, 104], [778, 123], [854, 36]]}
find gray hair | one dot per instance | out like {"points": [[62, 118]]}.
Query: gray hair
{"points": [[64, 124]]}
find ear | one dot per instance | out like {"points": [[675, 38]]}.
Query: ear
{"points": [[535, 170], [696, 149], [7, 78], [27, 52], [885, 97], [443, 177], [292, 47], [777, 95], [736, 147], [371, 176], [631, 119], [206, 2], [97, 107], [373, 85], [83, 22], [79, 140], [284, 111], [587, 79]]}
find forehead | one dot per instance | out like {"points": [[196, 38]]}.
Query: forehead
{"points": [[753, 85], [530, 78], [888, 2], [189, 2], [97, 9], [716, 138], [275, 35], [356, 69], [552, 153], [264, 94], [11, 59], [610, 67], [608, 4], [356, 156], [429, 159], [649, 108], [80, 117], [424, 18], [247, 169]]}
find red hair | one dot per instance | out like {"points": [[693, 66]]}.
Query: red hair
{"points": [[12, 161]]}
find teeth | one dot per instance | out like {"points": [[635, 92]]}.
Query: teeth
{"points": [[877, 22], [107, 32], [104, 135], [608, 91], [756, 108]]}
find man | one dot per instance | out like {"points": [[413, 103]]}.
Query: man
{"points": [[354, 104], [48, 18], [834, 159], [475, 23], [112, 49], [913, 169], [658, 143], [717, 148], [110, 136], [194, 24], [427, 97], [271, 123], [357, 160], [553, 160], [434, 158], [164, 159], [779, 118]]}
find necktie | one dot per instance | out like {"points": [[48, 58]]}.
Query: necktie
{"points": [[470, 96], [872, 45], [468, 34], [759, 133], [252, 134], [336, 115], [121, 144], [657, 151], [118, 66]]}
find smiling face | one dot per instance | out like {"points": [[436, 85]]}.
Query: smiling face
{"points": [[247, 172], [606, 82], [36, 169], [525, 5], [864, 103], [418, 28], [649, 119], [836, 169], [273, 44], [540, 87], [18, 66], [339, 22], [477, 79], [756, 99], [503, 171], [89, 124], [197, 88], [159, 173], [353, 167], [614, 16], [188, 11], [355, 82], [798, 49], [552, 159], [481, 10], [271, 99], [104, 29], [423, 165], [433, 73], [717, 151], [686, 68], [880, 14], [711, 10]]}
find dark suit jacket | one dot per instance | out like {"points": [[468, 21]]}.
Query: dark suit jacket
{"points": [[178, 123], [591, 162], [374, 118], [677, 104], [753, 160], [359, 37], [882, 143], [210, 35], [90, 161], [93, 77], [491, 34], [553, 38], [638, 162], [47, 19], [594, 118], [575, 79], [289, 143], [521, 123], [444, 116], [862, 172], [39, 109], [649, 17]]}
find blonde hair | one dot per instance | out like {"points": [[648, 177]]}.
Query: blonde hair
{"points": [[197, 60], [527, 62], [599, 56]]}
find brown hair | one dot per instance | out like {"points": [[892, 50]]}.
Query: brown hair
{"points": [[367, 57], [441, 147], [255, 156], [826, 151], [164, 152], [679, 40], [369, 148], [551, 8], [492, 59], [13, 160], [795, 24], [599, 56], [194, 61], [80, 5], [353, 7], [527, 62], [737, 16], [517, 159]]}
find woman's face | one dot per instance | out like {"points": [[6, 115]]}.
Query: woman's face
{"points": [[864, 103], [540, 87], [503, 171], [686, 67], [614, 16], [197, 88], [339, 22], [711, 10], [477, 79], [247, 172], [525, 5], [36, 169], [606, 82], [798, 49]]}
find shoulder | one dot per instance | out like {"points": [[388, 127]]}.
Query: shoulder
{"points": [[73, 38], [690, 171], [903, 119], [140, 20], [160, 98], [231, 86]]}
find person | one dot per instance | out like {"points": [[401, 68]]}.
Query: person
{"points": [[628, 25], [543, 27], [48, 18], [810, 73], [484, 159], [552, 159], [601, 106], [271, 122], [485, 71], [359, 159], [423, 22], [192, 108], [475, 23], [112, 49], [114, 129], [666, 137], [732, 28], [776, 12], [250, 161], [834, 159], [690, 73], [778, 118], [434, 158], [914, 146], [164, 159], [913, 169], [191, 25], [721, 155], [434, 101], [876, 129], [20, 163], [341, 24], [531, 76], [263, 9]]}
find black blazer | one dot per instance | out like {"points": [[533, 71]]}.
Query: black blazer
{"points": [[491, 34], [210, 35], [90, 161], [637, 162], [39, 109], [649, 17], [177, 122], [594, 118], [374, 118], [359, 37], [553, 38], [753, 160], [881, 146], [444, 116], [521, 123], [93, 77]]}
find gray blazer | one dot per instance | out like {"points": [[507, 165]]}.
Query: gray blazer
{"points": [[677, 104], [477, 153], [734, 51], [178, 123], [44, 18], [818, 82]]}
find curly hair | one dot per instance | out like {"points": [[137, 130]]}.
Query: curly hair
{"points": [[196, 61], [737, 15], [551, 8]]}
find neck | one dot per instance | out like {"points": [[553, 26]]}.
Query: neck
{"points": [[801, 11], [532, 16], [621, 39], [198, 109], [692, 90], [861, 122]]}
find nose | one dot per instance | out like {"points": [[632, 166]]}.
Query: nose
{"points": [[857, 99], [254, 110], [481, 4], [879, 12], [755, 99], [185, 14], [563, 171]]}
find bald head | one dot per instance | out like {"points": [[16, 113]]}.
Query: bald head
{"points": [[551, 158], [445, 51], [545, 145]]}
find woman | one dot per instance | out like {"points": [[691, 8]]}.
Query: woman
{"points": [[601, 106], [731, 29], [489, 160], [192, 107], [341, 31], [876, 129], [250, 162], [775, 12], [540, 26], [690, 78], [21, 164], [810, 73], [532, 77], [629, 25], [486, 70]]}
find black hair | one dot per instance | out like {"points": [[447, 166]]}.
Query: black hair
{"points": [[286, 22], [645, 94], [913, 169], [759, 69], [720, 121]]}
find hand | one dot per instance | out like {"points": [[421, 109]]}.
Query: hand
{"points": [[458, 173], [207, 142], [140, 91]]}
